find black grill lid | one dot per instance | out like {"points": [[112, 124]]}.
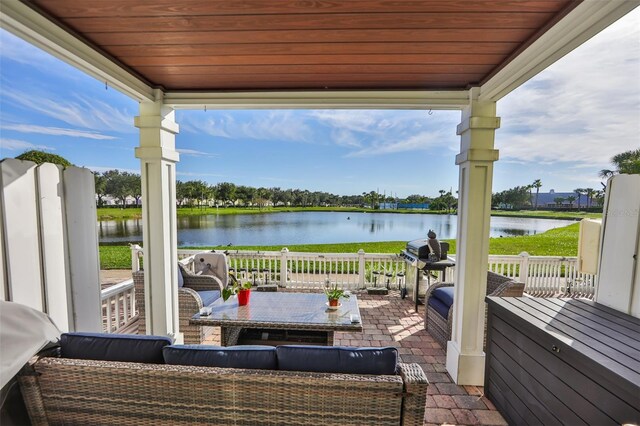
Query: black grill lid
{"points": [[420, 248]]}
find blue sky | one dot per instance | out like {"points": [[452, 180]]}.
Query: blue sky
{"points": [[561, 127]]}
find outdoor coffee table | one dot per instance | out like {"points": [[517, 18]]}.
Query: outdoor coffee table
{"points": [[279, 318]]}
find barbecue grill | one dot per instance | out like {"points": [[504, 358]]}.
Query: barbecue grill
{"points": [[420, 258]]}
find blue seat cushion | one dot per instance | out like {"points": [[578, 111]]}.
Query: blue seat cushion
{"points": [[254, 357], [209, 296], [114, 347], [440, 308], [444, 294], [337, 359]]}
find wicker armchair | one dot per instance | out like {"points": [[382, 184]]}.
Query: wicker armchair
{"points": [[189, 303], [440, 328]]}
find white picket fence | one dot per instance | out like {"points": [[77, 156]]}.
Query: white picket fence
{"points": [[299, 270], [542, 275], [118, 307]]}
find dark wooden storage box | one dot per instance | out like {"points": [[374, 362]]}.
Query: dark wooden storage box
{"points": [[562, 361]]}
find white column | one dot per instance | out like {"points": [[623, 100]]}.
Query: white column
{"points": [[465, 355], [158, 159]]}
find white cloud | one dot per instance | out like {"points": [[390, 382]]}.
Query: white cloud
{"points": [[196, 153], [17, 50], [15, 145], [55, 131], [422, 141], [77, 111], [279, 125], [583, 109]]}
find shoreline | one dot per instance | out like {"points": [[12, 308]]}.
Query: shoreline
{"points": [[105, 214], [561, 241]]}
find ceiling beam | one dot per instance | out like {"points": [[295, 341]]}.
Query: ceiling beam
{"points": [[392, 99], [579, 25], [24, 22]]}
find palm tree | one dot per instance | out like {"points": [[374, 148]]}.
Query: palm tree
{"points": [[627, 162], [558, 201], [529, 188], [578, 192], [537, 184], [589, 192], [571, 199]]}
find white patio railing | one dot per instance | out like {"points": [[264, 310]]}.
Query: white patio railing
{"points": [[118, 307], [299, 270], [542, 275]]}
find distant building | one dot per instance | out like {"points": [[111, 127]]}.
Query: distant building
{"points": [[417, 206], [388, 206], [108, 200], [547, 199]]}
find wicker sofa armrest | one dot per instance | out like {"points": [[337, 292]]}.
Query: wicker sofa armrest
{"points": [[202, 282], [430, 290], [30, 389], [189, 300], [415, 398]]}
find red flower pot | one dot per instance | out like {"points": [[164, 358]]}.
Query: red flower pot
{"points": [[243, 297], [334, 302]]}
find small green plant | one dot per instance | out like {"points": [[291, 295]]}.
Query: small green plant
{"points": [[333, 292], [234, 287]]}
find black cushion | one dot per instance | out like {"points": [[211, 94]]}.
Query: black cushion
{"points": [[445, 294], [338, 359], [209, 296], [440, 308], [254, 357], [114, 347]]}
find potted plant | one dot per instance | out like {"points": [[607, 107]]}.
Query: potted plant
{"points": [[334, 294], [242, 290]]}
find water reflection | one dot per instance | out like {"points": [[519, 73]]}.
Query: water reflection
{"points": [[315, 228]]}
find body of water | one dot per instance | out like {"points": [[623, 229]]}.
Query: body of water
{"points": [[315, 228]]}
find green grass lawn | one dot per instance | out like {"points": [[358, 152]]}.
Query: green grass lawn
{"points": [[555, 242], [135, 213]]}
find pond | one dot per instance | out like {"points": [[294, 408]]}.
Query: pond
{"points": [[315, 228]]}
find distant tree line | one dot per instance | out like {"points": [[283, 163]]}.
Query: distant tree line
{"points": [[196, 193]]}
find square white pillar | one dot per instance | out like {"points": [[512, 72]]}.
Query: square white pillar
{"points": [[158, 159], [465, 354]]}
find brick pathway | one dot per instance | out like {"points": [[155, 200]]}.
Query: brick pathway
{"points": [[392, 321]]}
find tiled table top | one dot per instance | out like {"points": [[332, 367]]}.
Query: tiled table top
{"points": [[294, 311]]}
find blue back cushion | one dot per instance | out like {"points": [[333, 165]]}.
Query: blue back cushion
{"points": [[338, 359], [208, 296], [440, 308], [254, 357], [114, 347], [180, 278], [444, 294]]}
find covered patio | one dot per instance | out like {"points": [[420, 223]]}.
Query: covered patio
{"points": [[365, 54]]}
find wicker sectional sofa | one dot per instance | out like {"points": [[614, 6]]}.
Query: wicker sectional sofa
{"points": [[59, 390], [439, 304]]}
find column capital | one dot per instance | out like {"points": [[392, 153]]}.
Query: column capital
{"points": [[477, 155], [156, 122], [483, 123], [157, 153]]}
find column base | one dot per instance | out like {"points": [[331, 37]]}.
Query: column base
{"points": [[178, 338], [465, 369]]}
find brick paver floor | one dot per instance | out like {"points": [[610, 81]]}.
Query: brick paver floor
{"points": [[391, 321]]}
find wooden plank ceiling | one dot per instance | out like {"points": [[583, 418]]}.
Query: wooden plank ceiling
{"points": [[308, 44]]}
